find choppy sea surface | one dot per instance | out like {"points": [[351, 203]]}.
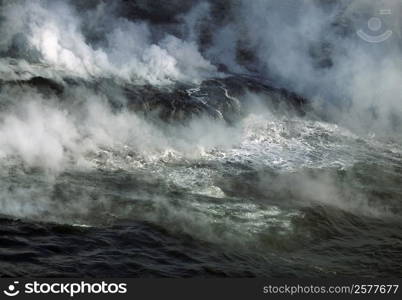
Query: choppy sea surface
{"points": [[141, 145], [286, 196]]}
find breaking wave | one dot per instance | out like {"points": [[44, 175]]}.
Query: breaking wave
{"points": [[233, 138]]}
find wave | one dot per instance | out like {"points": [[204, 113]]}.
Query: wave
{"points": [[238, 122]]}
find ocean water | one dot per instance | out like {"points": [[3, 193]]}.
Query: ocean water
{"points": [[135, 143]]}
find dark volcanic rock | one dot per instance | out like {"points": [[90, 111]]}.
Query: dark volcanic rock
{"points": [[219, 98], [223, 98]]}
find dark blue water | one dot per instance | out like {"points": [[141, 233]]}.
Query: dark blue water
{"points": [[198, 139]]}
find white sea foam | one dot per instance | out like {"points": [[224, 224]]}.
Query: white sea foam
{"points": [[83, 133]]}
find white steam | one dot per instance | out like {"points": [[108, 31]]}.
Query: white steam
{"points": [[302, 45], [308, 46], [54, 30], [312, 47]]}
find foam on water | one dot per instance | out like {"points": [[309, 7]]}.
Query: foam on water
{"points": [[77, 152]]}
